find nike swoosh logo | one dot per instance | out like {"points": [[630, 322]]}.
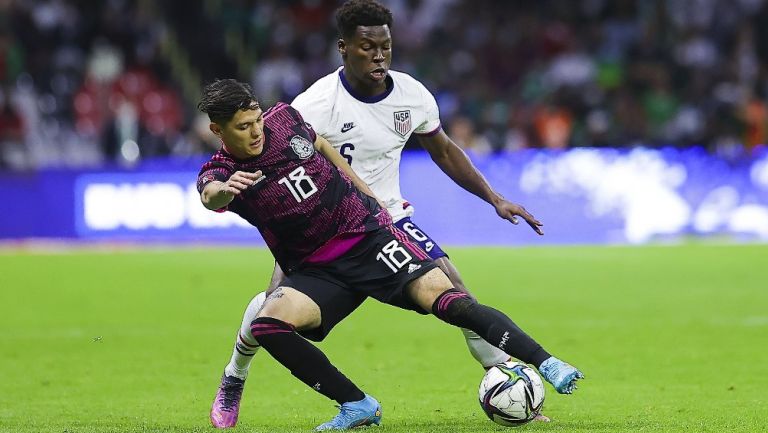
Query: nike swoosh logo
{"points": [[347, 127]]}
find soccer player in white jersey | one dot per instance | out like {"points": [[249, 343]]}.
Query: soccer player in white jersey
{"points": [[368, 112]]}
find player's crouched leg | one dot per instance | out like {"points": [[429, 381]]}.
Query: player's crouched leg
{"points": [[285, 311], [225, 408], [459, 309], [290, 306]]}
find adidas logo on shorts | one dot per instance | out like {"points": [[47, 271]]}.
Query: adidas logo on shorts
{"points": [[412, 267]]}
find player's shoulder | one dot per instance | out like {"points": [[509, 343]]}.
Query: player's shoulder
{"points": [[320, 91], [278, 107], [220, 159], [280, 112], [407, 82], [285, 121]]}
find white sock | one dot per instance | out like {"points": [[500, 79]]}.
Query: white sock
{"points": [[245, 346], [484, 352]]}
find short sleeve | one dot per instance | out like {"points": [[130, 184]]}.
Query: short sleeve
{"points": [[431, 125], [302, 121], [211, 171], [313, 110]]}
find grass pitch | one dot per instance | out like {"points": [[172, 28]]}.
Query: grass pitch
{"points": [[671, 339]]}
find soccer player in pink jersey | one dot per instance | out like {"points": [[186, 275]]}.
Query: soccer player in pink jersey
{"points": [[367, 111], [336, 245]]}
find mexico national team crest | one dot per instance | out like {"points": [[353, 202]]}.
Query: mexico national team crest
{"points": [[302, 147], [403, 122]]}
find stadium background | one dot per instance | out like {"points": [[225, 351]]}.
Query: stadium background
{"points": [[594, 114], [630, 122]]}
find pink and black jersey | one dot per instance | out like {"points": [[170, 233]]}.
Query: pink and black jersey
{"points": [[305, 201]]}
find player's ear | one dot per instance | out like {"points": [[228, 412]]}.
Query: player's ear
{"points": [[215, 128], [342, 46]]}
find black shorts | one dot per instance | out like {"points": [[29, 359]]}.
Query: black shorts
{"points": [[379, 266]]}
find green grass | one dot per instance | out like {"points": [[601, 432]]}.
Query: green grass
{"points": [[672, 339]]}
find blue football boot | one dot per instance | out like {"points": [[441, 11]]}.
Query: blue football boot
{"points": [[354, 414], [561, 375]]}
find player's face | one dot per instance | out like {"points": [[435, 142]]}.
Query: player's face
{"points": [[367, 56], [243, 135]]}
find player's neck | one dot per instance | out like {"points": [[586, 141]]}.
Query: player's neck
{"points": [[235, 154], [363, 89], [367, 91]]}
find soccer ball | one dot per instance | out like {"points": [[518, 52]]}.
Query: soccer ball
{"points": [[511, 393]]}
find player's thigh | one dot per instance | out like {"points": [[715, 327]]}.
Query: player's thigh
{"points": [[293, 307], [277, 276], [332, 298], [382, 265], [425, 289]]}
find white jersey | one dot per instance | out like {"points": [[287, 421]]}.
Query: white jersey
{"points": [[370, 132]]}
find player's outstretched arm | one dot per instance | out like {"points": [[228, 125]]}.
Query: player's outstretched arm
{"points": [[331, 154], [510, 211], [455, 163], [218, 194]]}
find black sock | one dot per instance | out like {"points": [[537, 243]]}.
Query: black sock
{"points": [[304, 360], [459, 309]]}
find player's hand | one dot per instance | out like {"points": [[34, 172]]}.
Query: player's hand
{"points": [[510, 211], [240, 181]]}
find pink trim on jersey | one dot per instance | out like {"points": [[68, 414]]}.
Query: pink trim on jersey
{"points": [[405, 240], [335, 248], [275, 108], [431, 133]]}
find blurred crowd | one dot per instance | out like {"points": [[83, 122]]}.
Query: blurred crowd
{"points": [[87, 83]]}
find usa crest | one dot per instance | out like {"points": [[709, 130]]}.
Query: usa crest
{"points": [[403, 122], [303, 148]]}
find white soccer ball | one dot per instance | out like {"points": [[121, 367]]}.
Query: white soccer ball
{"points": [[511, 393]]}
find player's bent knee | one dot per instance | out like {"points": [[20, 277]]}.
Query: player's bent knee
{"points": [[292, 307], [425, 289]]}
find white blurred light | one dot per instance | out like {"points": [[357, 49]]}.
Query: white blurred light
{"points": [[134, 206], [98, 207], [201, 218], [129, 150], [759, 173], [150, 206], [639, 186], [714, 210], [750, 219]]}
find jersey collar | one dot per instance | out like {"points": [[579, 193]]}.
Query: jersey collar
{"points": [[363, 98]]}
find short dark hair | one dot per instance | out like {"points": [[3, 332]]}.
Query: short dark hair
{"points": [[355, 13], [221, 99]]}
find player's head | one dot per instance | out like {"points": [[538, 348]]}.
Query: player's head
{"points": [[365, 41], [236, 117]]}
